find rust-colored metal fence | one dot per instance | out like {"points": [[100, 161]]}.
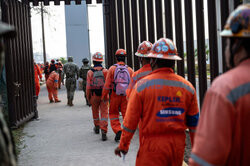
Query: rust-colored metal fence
{"points": [[19, 63], [153, 19]]}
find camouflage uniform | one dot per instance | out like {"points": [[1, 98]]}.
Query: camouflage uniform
{"points": [[83, 74], [71, 70], [7, 153]]}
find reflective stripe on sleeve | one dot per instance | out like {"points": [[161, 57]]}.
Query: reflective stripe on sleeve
{"points": [[114, 118], [104, 119], [192, 130], [238, 92], [127, 129], [140, 75], [200, 160], [164, 82]]}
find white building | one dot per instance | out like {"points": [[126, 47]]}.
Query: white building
{"points": [[77, 36]]}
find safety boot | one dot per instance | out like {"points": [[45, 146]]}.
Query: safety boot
{"points": [[70, 103], [57, 101], [51, 101], [118, 136], [104, 135], [97, 129]]}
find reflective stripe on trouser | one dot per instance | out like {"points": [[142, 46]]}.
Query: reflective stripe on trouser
{"points": [[98, 106], [116, 103], [37, 86], [52, 92], [165, 149]]}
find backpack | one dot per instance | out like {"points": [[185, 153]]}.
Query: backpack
{"points": [[97, 82], [121, 79]]}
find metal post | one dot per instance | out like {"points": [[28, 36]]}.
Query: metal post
{"points": [[201, 50], [43, 35], [190, 42], [179, 36]]}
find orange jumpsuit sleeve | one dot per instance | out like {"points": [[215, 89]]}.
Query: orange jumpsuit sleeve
{"points": [[88, 86], [192, 117], [108, 82], [131, 85], [39, 72], [55, 78], [214, 133], [132, 118]]}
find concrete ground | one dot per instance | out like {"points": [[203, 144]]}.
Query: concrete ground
{"points": [[63, 136]]}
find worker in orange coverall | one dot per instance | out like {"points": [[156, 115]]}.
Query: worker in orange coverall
{"points": [[95, 81], [166, 105], [118, 79], [52, 86], [38, 75], [223, 136], [142, 53]]}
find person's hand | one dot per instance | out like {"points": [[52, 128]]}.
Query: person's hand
{"points": [[118, 152]]}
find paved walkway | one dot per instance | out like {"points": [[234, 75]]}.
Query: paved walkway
{"points": [[63, 136]]}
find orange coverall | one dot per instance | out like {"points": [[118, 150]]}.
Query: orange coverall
{"points": [[137, 75], [98, 105], [52, 85], [38, 73], [116, 101], [223, 136], [165, 104]]}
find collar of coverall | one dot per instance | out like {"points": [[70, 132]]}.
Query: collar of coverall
{"points": [[147, 65], [121, 63], [165, 69]]}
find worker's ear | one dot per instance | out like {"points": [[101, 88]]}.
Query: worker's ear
{"points": [[153, 63]]}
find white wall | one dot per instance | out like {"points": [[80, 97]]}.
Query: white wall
{"points": [[77, 36]]}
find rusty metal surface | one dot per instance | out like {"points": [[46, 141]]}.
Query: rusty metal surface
{"points": [[128, 32], [213, 45], [201, 49], [135, 33], [151, 31], [179, 36], [159, 21], [190, 42], [19, 64]]}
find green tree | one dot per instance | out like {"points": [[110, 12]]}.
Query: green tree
{"points": [[63, 60]]}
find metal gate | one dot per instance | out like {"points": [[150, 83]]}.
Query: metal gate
{"points": [[129, 22], [19, 63]]}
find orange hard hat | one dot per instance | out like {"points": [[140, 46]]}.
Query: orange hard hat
{"points": [[121, 52], [144, 49], [164, 48], [98, 57], [238, 23]]}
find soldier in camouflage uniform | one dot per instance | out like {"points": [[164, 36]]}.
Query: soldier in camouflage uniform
{"points": [[83, 74], [71, 71], [7, 152]]}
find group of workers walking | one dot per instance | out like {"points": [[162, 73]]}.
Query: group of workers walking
{"points": [[163, 105]]}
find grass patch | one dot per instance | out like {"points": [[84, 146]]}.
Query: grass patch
{"points": [[18, 135]]}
